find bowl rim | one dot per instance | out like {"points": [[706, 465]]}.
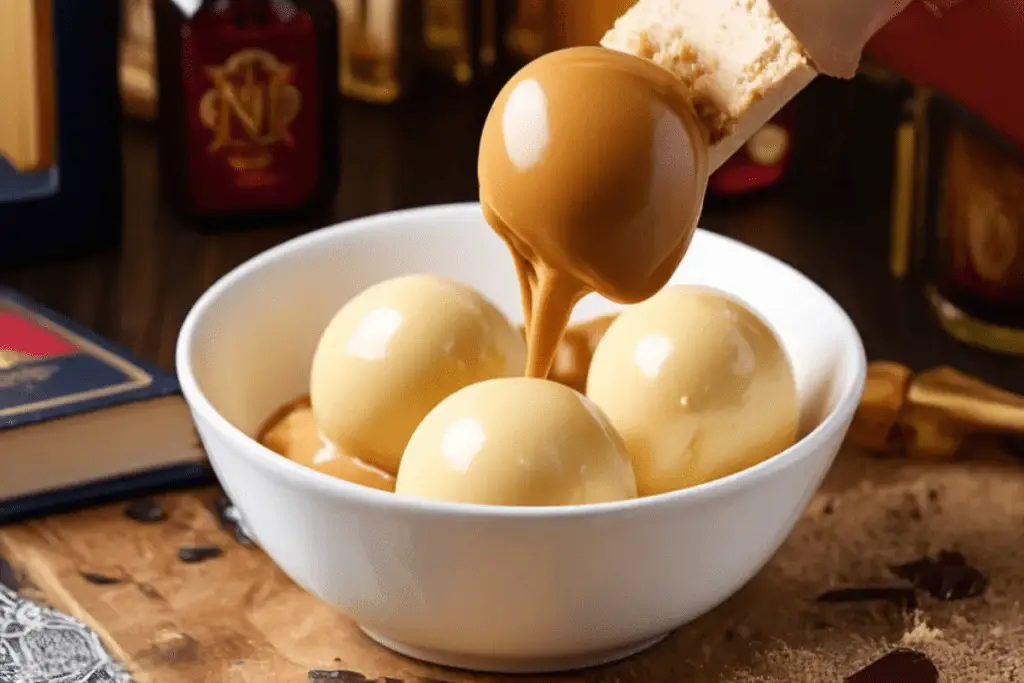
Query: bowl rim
{"points": [[263, 458]]}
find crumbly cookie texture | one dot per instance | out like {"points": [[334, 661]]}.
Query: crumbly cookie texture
{"points": [[739, 60]]}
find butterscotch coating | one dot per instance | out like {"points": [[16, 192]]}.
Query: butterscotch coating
{"points": [[593, 165], [572, 358], [294, 435], [516, 441], [394, 352], [697, 384]]}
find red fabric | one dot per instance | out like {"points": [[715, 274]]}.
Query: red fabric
{"points": [[973, 51]]}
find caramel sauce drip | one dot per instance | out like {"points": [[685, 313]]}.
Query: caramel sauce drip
{"points": [[592, 169]]}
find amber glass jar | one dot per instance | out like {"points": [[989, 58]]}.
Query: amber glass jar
{"points": [[248, 108], [972, 227]]}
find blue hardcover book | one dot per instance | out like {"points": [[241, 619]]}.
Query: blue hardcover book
{"points": [[83, 421]]}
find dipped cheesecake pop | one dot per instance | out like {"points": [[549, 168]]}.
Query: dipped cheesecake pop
{"points": [[592, 168]]}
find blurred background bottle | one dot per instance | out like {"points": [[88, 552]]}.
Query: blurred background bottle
{"points": [[248, 108], [389, 49], [966, 225], [60, 114], [460, 38], [380, 48]]}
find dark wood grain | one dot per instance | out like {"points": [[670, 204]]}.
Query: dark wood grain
{"points": [[830, 220]]}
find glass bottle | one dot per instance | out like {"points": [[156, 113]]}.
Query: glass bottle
{"points": [[248, 108], [973, 225], [380, 48], [461, 37]]}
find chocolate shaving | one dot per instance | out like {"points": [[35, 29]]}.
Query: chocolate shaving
{"points": [[949, 577], [145, 510], [100, 579], [902, 596], [230, 520], [346, 676], [337, 675], [902, 665], [193, 554], [9, 577]]}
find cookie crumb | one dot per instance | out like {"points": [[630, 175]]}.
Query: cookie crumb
{"points": [[921, 634]]}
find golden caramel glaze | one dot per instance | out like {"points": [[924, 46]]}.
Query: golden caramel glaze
{"points": [[516, 441], [592, 168], [697, 384], [292, 432], [572, 358]]}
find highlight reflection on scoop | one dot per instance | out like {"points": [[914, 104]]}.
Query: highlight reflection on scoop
{"points": [[516, 441]]}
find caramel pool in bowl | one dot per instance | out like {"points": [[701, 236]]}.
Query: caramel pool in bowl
{"points": [[292, 433]]}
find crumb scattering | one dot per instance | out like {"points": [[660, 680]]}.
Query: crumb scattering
{"points": [[870, 516]]}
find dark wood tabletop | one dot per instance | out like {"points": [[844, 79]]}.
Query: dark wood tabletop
{"points": [[830, 219]]}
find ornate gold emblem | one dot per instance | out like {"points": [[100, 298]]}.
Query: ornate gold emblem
{"points": [[9, 358], [250, 106]]}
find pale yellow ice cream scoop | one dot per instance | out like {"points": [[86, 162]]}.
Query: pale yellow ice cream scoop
{"points": [[698, 386], [516, 441], [394, 352]]}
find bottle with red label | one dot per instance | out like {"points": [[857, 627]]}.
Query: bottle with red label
{"points": [[761, 163], [248, 107], [970, 186]]}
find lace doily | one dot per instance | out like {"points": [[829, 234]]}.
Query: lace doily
{"points": [[41, 645]]}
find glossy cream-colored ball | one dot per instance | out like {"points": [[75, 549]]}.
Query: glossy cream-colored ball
{"points": [[394, 352], [697, 384], [516, 441]]}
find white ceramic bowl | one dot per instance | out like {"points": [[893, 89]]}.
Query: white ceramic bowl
{"points": [[481, 587]]}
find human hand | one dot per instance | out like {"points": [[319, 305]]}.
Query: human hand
{"points": [[834, 32]]}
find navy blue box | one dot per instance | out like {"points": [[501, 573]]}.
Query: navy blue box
{"points": [[75, 203]]}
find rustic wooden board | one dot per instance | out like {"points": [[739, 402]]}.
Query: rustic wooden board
{"points": [[237, 618]]}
